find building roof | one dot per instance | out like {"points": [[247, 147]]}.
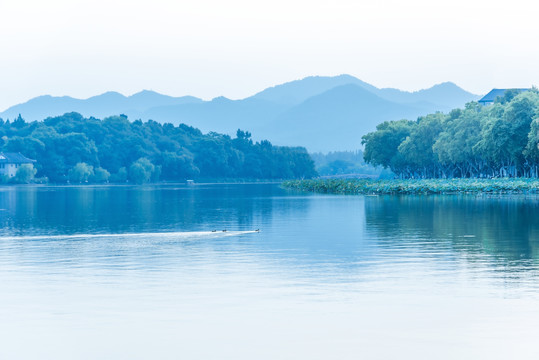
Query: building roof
{"points": [[494, 93], [14, 158]]}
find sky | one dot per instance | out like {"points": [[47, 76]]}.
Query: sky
{"points": [[235, 48]]}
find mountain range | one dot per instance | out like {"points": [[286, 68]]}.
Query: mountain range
{"points": [[320, 113]]}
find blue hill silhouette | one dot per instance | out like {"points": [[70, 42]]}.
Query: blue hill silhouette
{"points": [[320, 113]]}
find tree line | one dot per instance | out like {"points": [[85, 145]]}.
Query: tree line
{"points": [[72, 148], [498, 140]]}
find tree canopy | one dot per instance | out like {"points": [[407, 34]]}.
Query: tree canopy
{"points": [[78, 149], [499, 140]]}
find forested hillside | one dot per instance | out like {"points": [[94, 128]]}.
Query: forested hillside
{"points": [[71, 147], [500, 140]]}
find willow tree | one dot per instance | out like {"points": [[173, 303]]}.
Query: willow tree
{"points": [[382, 145], [455, 144], [520, 113], [416, 149], [504, 135], [531, 152], [497, 140]]}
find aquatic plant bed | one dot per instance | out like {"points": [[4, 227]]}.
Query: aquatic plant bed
{"points": [[424, 186]]}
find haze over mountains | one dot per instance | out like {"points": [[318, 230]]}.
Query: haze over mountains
{"points": [[320, 113]]}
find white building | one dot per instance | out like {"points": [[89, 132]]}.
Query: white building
{"points": [[10, 162]]}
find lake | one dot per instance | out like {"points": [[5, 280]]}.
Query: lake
{"points": [[124, 272]]}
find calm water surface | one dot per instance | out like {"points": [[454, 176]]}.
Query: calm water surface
{"points": [[118, 272]]}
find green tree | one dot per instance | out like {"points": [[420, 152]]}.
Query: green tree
{"points": [[178, 167], [508, 95], [80, 173], [25, 174], [382, 145], [120, 176], [416, 149], [177, 152], [140, 172], [520, 113], [100, 175], [455, 144]]}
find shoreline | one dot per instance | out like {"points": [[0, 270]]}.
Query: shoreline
{"points": [[416, 186], [179, 183]]}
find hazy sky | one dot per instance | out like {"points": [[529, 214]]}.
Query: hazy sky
{"points": [[234, 48]]}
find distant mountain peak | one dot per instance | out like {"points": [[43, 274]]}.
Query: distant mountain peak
{"points": [[322, 113], [296, 91], [146, 93], [446, 85], [110, 94], [220, 99]]}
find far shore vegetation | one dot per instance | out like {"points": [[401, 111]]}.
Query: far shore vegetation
{"points": [[484, 144], [77, 150], [478, 149], [416, 186], [498, 140]]}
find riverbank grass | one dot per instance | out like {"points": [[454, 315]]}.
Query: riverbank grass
{"points": [[416, 186]]}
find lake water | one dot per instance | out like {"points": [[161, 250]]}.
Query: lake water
{"points": [[118, 272]]}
